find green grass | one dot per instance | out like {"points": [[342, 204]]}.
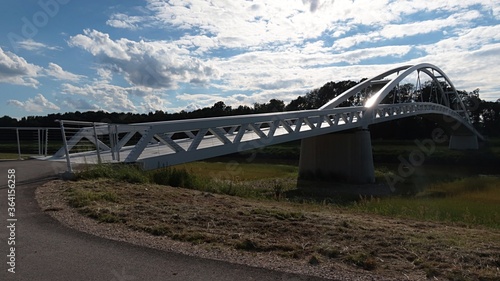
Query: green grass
{"points": [[14, 156], [121, 172], [29, 147], [83, 198], [470, 201], [239, 171], [243, 180]]}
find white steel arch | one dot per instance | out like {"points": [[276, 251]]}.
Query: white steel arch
{"points": [[168, 143], [387, 85]]}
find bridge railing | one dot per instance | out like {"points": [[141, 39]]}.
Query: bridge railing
{"points": [[455, 118], [127, 142], [232, 130], [22, 142], [391, 110]]}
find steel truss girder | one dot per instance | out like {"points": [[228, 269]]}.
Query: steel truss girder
{"points": [[209, 137]]}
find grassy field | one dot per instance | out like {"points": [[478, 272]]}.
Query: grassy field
{"points": [[450, 231], [465, 201]]}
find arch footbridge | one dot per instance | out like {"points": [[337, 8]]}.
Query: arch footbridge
{"points": [[335, 138]]}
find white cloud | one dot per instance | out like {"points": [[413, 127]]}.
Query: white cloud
{"points": [[57, 72], [99, 44], [36, 104], [120, 20], [495, 10], [192, 107], [104, 74], [467, 40], [400, 30], [153, 102], [16, 70], [196, 101], [104, 95], [258, 24], [282, 47], [315, 4], [294, 70], [428, 26], [157, 64], [31, 45], [80, 104], [248, 24]]}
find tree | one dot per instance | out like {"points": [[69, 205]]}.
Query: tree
{"points": [[7, 121], [299, 103], [472, 103], [274, 105], [318, 97]]}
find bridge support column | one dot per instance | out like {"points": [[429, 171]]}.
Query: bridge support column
{"points": [[344, 156], [463, 142]]}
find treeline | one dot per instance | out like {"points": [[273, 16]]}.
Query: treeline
{"points": [[485, 115]]}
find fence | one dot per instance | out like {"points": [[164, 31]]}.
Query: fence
{"points": [[21, 142], [93, 140]]}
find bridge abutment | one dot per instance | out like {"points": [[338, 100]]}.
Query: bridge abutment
{"points": [[463, 142], [338, 156]]}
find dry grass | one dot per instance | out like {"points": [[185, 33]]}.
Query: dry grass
{"points": [[311, 233]]}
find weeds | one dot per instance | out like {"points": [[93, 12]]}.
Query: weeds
{"points": [[102, 215], [174, 177], [469, 201], [195, 177], [363, 260], [79, 198], [126, 173]]}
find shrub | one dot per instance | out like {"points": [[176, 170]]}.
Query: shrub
{"points": [[174, 177]]}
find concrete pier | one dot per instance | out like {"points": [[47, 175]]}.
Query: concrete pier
{"points": [[463, 142], [338, 156]]}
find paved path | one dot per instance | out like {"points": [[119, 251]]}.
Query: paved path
{"points": [[46, 250]]}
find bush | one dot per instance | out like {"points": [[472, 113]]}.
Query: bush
{"points": [[174, 177], [119, 172]]}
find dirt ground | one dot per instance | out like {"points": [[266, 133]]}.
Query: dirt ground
{"points": [[314, 239]]}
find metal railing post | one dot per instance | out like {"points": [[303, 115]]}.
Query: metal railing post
{"points": [[46, 142], [66, 150], [40, 143], [97, 144], [18, 145], [117, 144], [111, 141]]}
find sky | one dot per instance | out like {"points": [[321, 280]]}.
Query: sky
{"points": [[146, 55]]}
